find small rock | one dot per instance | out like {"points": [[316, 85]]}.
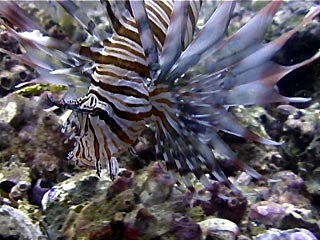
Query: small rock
{"points": [[15, 224], [218, 228], [265, 212], [291, 234]]}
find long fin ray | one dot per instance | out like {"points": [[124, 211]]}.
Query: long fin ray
{"points": [[207, 38], [82, 19], [174, 41], [244, 42], [18, 17], [146, 36]]}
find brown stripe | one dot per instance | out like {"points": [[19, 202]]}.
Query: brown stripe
{"points": [[122, 114], [163, 118], [114, 21], [86, 129], [122, 102], [119, 28], [158, 90], [123, 90], [157, 14], [114, 127], [122, 31], [165, 8], [95, 142], [87, 52], [165, 101], [158, 32], [129, 49], [106, 42], [142, 70], [81, 142], [116, 76]]}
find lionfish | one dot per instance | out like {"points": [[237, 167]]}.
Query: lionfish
{"points": [[137, 78]]}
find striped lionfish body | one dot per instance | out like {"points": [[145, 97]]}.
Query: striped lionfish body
{"points": [[120, 98], [136, 79]]}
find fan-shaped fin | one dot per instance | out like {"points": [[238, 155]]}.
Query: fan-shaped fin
{"points": [[245, 41], [209, 36]]}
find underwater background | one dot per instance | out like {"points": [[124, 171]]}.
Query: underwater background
{"points": [[45, 196]]}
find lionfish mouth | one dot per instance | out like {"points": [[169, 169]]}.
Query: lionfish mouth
{"points": [[134, 78]]}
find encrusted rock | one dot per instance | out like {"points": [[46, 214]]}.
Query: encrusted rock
{"points": [[218, 228], [313, 184], [300, 140], [158, 185], [68, 197], [15, 224], [15, 183], [11, 109], [291, 234], [268, 213]]}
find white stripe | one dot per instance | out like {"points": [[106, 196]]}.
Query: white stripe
{"points": [[140, 87], [123, 54]]}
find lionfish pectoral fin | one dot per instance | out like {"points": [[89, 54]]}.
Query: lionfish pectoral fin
{"points": [[242, 43], [208, 37], [185, 153], [11, 11], [218, 145], [43, 69], [37, 40], [228, 124], [250, 48], [28, 60], [200, 120], [172, 162], [44, 53], [82, 19]]}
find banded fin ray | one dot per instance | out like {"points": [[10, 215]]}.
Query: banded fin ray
{"points": [[198, 101], [43, 52], [174, 42], [179, 144], [18, 17], [253, 78], [146, 36]]}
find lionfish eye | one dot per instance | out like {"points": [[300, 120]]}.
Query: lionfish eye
{"points": [[88, 103]]}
